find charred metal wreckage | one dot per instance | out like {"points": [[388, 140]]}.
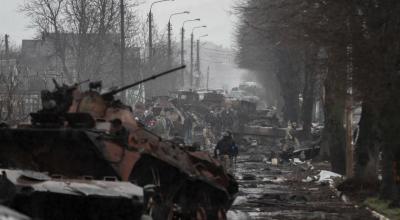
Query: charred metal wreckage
{"points": [[84, 156]]}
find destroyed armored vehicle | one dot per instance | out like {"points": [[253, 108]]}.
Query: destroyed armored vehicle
{"points": [[88, 134], [183, 97], [213, 99], [43, 197]]}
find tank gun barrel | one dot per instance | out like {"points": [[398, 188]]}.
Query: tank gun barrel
{"points": [[82, 82], [56, 83], [75, 85], [116, 91]]}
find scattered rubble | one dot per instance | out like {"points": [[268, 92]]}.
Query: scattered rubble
{"points": [[249, 177], [278, 192]]}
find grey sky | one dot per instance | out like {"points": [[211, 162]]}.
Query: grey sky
{"points": [[12, 22], [213, 13]]}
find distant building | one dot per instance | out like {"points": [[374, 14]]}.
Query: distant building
{"points": [[19, 92], [38, 57], [96, 59]]}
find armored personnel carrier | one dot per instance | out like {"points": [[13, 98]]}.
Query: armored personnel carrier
{"points": [[89, 134]]}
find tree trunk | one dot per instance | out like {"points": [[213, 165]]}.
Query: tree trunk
{"points": [[289, 81], [308, 104], [367, 151], [308, 91], [389, 125], [60, 42], [291, 106], [334, 134]]}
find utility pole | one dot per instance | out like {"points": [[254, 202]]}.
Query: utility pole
{"points": [[191, 54], [208, 76], [122, 12], [191, 60], [151, 28], [169, 35], [169, 44], [182, 46], [198, 63], [198, 57], [150, 36], [183, 56], [7, 46]]}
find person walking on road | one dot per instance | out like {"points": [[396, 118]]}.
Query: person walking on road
{"points": [[188, 128], [225, 150]]}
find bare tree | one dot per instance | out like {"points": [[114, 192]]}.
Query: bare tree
{"points": [[85, 33], [10, 84], [46, 16], [292, 32], [361, 40]]}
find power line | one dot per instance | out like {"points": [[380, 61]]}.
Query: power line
{"points": [[216, 62], [228, 56], [218, 50], [218, 54]]}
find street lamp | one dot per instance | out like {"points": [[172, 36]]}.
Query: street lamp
{"points": [[179, 13], [204, 26], [191, 54], [198, 61], [182, 47], [151, 25], [169, 32]]}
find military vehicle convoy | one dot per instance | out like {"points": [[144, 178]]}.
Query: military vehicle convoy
{"points": [[85, 153]]}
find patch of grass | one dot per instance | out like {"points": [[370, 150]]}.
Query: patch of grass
{"points": [[382, 207]]}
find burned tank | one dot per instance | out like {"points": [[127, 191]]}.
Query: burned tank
{"points": [[93, 135]]}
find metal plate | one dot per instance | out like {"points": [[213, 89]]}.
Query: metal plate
{"points": [[32, 175]]}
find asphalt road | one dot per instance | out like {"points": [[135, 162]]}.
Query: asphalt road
{"points": [[278, 192]]}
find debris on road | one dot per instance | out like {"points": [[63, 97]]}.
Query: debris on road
{"points": [[278, 192]]}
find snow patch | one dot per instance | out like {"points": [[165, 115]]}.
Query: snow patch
{"points": [[239, 200], [327, 176], [324, 176], [237, 215], [296, 161]]}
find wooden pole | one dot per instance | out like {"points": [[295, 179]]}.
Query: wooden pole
{"points": [[349, 135], [122, 67]]}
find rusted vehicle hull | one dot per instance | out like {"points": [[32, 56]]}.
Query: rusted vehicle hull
{"points": [[93, 135], [190, 193], [194, 182], [66, 152]]}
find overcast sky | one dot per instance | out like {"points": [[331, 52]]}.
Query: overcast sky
{"points": [[12, 22], [213, 13]]}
